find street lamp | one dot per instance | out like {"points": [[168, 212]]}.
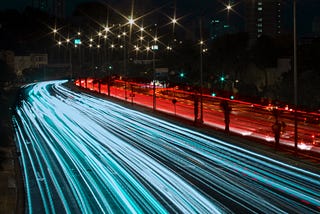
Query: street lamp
{"points": [[131, 21], [155, 39]]}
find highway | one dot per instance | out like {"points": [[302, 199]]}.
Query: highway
{"points": [[247, 119], [83, 154]]}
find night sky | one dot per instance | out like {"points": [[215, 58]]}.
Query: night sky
{"points": [[306, 9], [21, 4]]}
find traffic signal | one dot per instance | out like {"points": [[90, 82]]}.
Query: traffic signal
{"points": [[222, 78], [181, 74]]}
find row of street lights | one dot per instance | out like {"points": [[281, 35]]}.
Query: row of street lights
{"points": [[146, 42]]}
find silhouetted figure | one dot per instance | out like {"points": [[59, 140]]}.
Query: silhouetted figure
{"points": [[283, 126], [276, 113], [196, 108], [276, 128], [226, 109]]}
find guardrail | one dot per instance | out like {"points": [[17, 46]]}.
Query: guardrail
{"points": [[247, 119]]}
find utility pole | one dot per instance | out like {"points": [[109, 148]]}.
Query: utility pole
{"points": [[201, 72], [124, 63], [295, 78], [154, 79]]}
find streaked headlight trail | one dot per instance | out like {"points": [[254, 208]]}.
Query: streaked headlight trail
{"points": [[83, 154]]}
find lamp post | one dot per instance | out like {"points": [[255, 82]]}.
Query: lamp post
{"points": [[78, 44], [130, 23], [124, 64], [59, 43], [154, 81], [201, 73], [70, 56], [106, 44], [295, 77], [154, 49]]}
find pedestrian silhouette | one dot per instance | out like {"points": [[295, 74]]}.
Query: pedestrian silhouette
{"points": [[226, 110], [276, 128]]}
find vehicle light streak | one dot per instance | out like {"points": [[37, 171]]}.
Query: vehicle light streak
{"points": [[89, 155]]}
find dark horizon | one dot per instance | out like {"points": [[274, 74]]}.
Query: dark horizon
{"points": [[306, 13]]}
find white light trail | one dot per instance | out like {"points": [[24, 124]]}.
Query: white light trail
{"points": [[91, 155]]}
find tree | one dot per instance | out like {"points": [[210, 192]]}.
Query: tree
{"points": [[264, 54], [226, 110], [228, 57], [6, 73]]}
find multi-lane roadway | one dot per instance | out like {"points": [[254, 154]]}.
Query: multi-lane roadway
{"points": [[247, 119], [82, 154]]}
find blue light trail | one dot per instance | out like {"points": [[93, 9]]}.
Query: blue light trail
{"points": [[83, 154]]}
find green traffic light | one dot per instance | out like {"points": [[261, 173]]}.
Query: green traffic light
{"points": [[222, 78], [181, 74]]}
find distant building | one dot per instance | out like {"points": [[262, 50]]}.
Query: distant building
{"points": [[8, 57], [218, 28], [262, 17], [54, 7], [59, 8], [40, 4], [29, 61], [262, 78], [316, 26]]}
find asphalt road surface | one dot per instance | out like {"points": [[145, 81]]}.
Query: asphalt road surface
{"points": [[82, 154]]}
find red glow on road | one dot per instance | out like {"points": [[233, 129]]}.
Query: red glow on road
{"points": [[247, 119]]}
